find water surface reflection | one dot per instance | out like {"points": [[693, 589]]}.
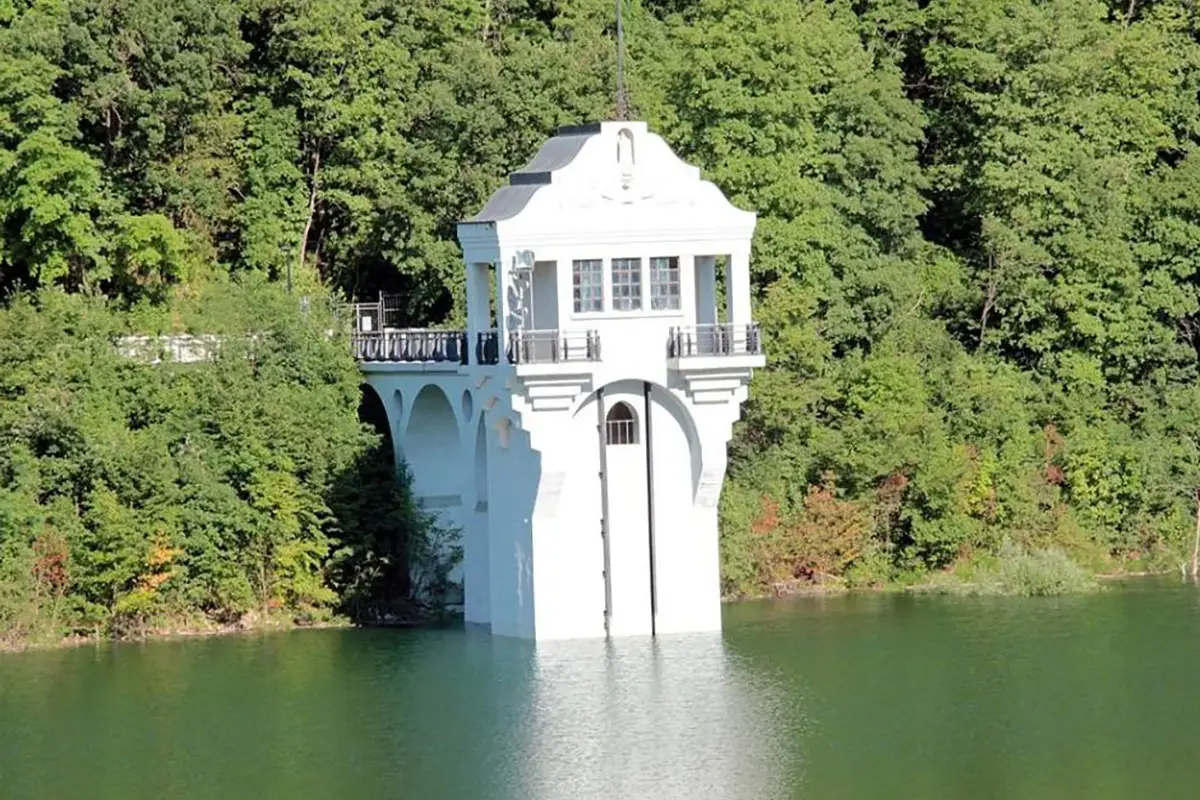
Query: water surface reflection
{"points": [[379, 714], [866, 696], [633, 718]]}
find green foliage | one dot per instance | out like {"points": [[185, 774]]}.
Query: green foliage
{"points": [[975, 271], [1015, 571], [393, 558], [1012, 359], [134, 495]]}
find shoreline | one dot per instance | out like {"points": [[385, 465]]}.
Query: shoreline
{"points": [[204, 631], [171, 633], [785, 591]]}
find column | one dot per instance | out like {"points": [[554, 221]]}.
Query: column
{"points": [[566, 290], [705, 275], [477, 305], [687, 283], [503, 265], [737, 286]]}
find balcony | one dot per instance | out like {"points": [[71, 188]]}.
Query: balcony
{"points": [[715, 341], [553, 346], [423, 345], [410, 346]]}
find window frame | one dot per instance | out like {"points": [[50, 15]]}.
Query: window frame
{"points": [[667, 266], [621, 430], [627, 294], [594, 269]]}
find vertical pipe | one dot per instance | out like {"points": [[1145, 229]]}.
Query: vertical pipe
{"points": [[603, 439], [650, 508]]}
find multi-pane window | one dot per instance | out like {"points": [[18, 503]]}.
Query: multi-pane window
{"points": [[588, 283], [620, 425], [664, 284], [627, 284]]}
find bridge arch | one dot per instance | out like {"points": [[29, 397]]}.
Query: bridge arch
{"points": [[373, 411], [431, 445]]}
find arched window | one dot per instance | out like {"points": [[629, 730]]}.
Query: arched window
{"points": [[620, 426]]}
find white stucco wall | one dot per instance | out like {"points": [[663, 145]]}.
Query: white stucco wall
{"points": [[686, 549], [516, 467], [567, 537], [530, 499], [514, 476]]}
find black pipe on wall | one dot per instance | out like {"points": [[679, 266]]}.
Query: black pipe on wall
{"points": [[602, 437], [650, 508]]}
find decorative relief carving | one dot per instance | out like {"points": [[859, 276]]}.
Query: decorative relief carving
{"points": [[709, 490], [624, 185], [625, 157], [519, 296]]}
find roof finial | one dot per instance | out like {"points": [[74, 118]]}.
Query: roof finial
{"points": [[622, 95]]}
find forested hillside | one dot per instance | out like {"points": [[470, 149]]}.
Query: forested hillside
{"points": [[975, 263]]}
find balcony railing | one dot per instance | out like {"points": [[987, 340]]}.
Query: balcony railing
{"points": [[715, 340], [487, 348], [553, 346], [410, 346]]}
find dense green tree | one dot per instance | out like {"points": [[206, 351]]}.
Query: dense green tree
{"points": [[975, 270]]}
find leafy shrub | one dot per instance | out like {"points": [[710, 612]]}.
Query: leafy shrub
{"points": [[136, 495], [1040, 573]]}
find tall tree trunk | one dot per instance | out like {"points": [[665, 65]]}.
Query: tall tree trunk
{"points": [[989, 302], [313, 183], [1129, 12]]}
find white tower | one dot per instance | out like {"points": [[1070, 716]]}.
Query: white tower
{"points": [[609, 381]]}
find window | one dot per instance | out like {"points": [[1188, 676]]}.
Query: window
{"points": [[587, 281], [664, 284], [620, 426], [627, 284]]}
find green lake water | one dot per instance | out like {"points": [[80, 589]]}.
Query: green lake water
{"points": [[877, 696]]}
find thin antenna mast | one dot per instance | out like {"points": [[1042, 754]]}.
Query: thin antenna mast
{"points": [[622, 96]]}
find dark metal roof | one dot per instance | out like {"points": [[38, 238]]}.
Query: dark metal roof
{"points": [[506, 203], [589, 128], [555, 154]]}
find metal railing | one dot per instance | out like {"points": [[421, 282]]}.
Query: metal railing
{"points": [[724, 339], [410, 345], [487, 348], [377, 315], [553, 346], [375, 335]]}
